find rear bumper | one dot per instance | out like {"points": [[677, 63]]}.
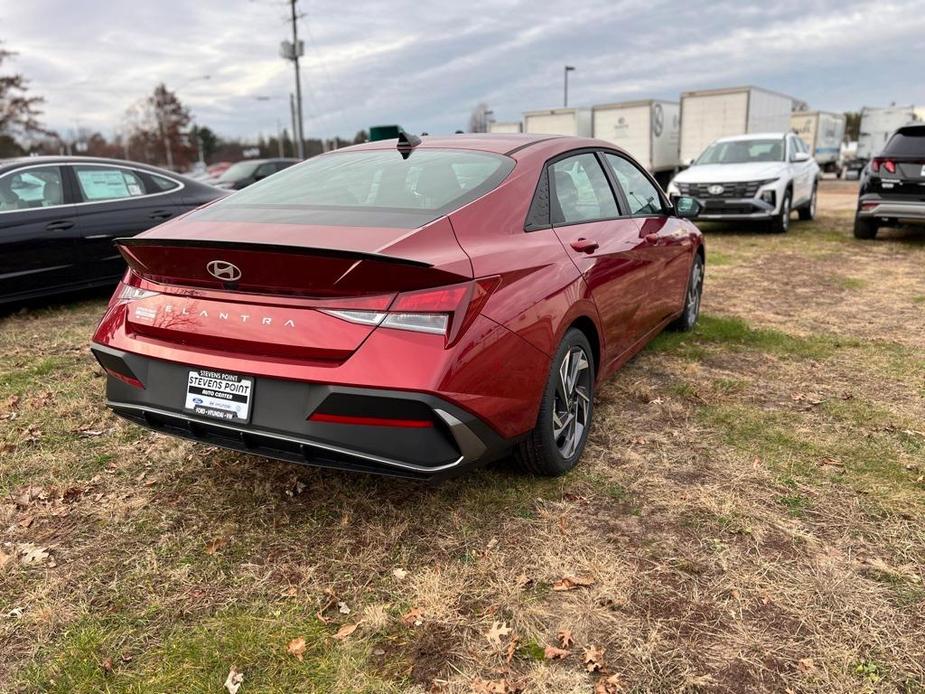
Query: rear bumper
{"points": [[875, 206], [279, 425]]}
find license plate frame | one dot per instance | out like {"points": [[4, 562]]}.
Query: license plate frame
{"points": [[219, 395]]}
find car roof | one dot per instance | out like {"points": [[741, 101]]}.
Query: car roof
{"points": [[497, 143], [61, 159], [752, 136]]}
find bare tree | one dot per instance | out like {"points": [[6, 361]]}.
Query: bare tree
{"points": [[479, 118], [158, 130], [19, 112]]}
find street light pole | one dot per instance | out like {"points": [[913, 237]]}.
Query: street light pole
{"points": [[300, 136], [568, 69]]}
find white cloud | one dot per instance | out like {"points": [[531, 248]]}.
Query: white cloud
{"points": [[426, 65]]}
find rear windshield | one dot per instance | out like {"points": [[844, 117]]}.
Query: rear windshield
{"points": [[907, 143], [368, 188], [743, 151]]}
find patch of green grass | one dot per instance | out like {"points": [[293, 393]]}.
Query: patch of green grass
{"points": [[735, 333], [869, 670], [196, 657], [719, 259], [530, 649], [19, 379], [846, 282], [795, 504], [920, 299]]}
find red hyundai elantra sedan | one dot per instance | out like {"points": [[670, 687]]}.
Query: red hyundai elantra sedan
{"points": [[407, 308]]}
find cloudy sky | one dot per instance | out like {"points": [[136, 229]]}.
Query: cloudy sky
{"points": [[425, 65]]}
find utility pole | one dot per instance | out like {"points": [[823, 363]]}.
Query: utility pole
{"points": [[568, 69], [295, 130], [296, 50]]}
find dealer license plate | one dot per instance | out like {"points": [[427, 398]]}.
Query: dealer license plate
{"points": [[219, 395]]}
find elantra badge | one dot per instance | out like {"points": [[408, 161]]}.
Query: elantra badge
{"points": [[222, 270], [715, 190]]}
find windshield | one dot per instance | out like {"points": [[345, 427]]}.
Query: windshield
{"points": [[743, 152], [371, 187], [242, 169]]}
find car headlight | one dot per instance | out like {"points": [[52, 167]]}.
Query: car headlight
{"points": [[767, 181]]}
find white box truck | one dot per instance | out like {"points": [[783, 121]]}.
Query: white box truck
{"points": [[647, 129], [822, 133], [713, 113], [877, 124], [559, 121], [505, 127]]}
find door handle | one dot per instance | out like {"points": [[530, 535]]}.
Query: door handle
{"points": [[161, 214], [60, 225], [584, 245], [651, 238]]}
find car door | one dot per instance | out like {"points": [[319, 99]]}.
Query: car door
{"points": [[668, 247], [117, 201], [37, 231], [604, 245]]}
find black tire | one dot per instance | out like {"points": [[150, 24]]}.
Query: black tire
{"points": [[808, 211], [865, 228], [542, 451], [688, 318], [781, 222]]}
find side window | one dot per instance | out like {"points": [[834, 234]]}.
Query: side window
{"points": [[37, 187], [581, 192], [161, 184], [641, 196], [99, 183], [265, 170]]}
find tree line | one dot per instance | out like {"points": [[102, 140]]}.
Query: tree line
{"points": [[157, 129]]}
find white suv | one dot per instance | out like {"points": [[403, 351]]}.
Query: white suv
{"points": [[760, 177]]}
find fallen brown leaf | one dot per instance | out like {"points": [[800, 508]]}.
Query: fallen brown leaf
{"points": [[106, 665], [26, 522], [215, 545], [296, 648], [806, 665], [498, 629], [480, 686], [572, 582], [345, 631], [609, 685], [233, 681], [593, 658], [511, 649], [565, 637], [414, 617], [553, 653]]}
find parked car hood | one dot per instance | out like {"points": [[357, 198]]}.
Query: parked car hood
{"points": [[731, 173]]}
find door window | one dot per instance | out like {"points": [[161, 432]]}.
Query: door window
{"points": [[581, 191], [35, 187], [162, 184], [99, 183], [641, 195]]}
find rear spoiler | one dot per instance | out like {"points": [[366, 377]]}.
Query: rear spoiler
{"points": [[130, 241]]}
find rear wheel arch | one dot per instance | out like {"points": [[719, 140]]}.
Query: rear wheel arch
{"points": [[586, 325]]}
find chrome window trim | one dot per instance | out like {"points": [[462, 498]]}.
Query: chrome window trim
{"points": [[181, 184]]}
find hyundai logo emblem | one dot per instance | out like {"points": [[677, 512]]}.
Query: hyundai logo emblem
{"points": [[715, 190], [223, 270]]}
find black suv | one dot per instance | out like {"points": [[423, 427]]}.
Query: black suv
{"points": [[249, 171], [893, 185]]}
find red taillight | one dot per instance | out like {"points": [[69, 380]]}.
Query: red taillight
{"points": [[370, 421], [130, 380], [888, 165], [447, 311]]}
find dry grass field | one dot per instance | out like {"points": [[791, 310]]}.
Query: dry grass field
{"points": [[749, 515]]}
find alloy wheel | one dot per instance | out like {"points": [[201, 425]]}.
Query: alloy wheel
{"points": [[572, 406], [695, 292]]}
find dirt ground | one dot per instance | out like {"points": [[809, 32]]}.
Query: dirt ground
{"points": [[748, 516]]}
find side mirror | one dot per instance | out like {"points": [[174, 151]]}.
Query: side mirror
{"points": [[687, 207], [799, 157]]}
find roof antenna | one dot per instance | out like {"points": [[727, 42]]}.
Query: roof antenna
{"points": [[407, 143]]}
